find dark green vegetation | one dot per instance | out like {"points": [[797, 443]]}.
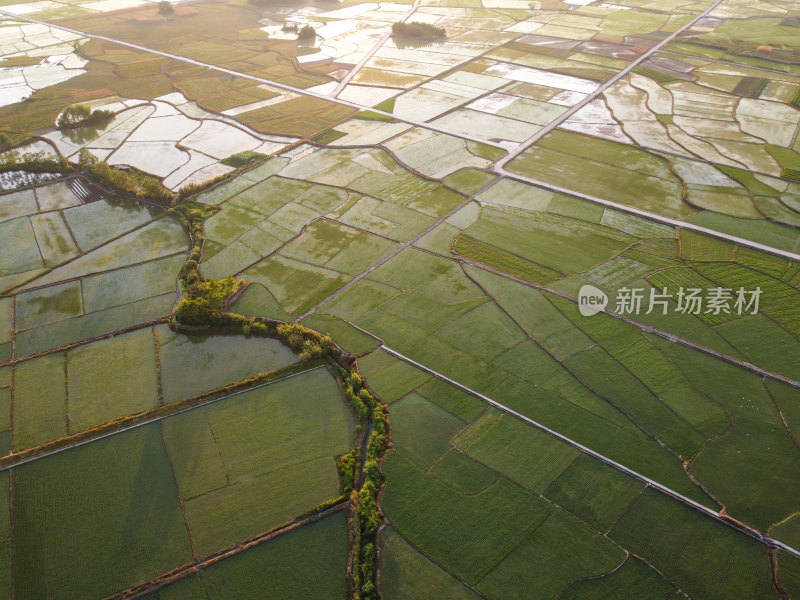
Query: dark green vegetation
{"points": [[80, 115], [131, 182], [305, 563], [33, 162], [307, 34], [105, 516], [418, 31], [243, 159], [165, 8]]}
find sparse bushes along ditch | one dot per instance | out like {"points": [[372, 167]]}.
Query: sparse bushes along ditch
{"points": [[367, 518], [131, 182], [34, 162], [204, 307]]}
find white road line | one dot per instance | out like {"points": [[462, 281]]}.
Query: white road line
{"points": [[371, 53], [560, 119], [652, 216], [604, 459]]}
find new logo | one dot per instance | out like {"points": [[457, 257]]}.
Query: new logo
{"points": [[591, 300]]}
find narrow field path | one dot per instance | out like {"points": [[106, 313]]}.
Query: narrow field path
{"points": [[354, 71]]}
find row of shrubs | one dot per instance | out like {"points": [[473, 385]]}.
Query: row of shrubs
{"points": [[367, 518], [34, 162], [204, 306], [131, 182]]}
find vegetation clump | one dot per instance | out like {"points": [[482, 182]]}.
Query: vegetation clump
{"points": [[80, 115], [364, 496], [130, 182], [34, 162], [165, 8], [307, 34], [419, 31], [242, 159]]}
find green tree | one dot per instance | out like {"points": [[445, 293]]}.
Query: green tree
{"points": [[307, 34]]}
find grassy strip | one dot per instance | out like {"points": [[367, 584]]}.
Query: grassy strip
{"points": [[364, 501], [750, 87], [505, 261]]}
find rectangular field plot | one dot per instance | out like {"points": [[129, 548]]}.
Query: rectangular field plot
{"points": [[560, 244], [421, 430], [308, 562], [406, 574], [526, 455], [505, 261], [111, 378], [706, 559], [593, 491], [258, 459], [296, 285], [556, 553], [200, 363], [40, 400], [467, 535], [97, 519], [77, 329], [634, 579]]}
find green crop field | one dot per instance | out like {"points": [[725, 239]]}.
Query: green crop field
{"points": [[525, 455], [593, 491], [258, 340], [421, 430], [553, 555], [729, 564], [105, 516], [468, 535], [259, 458], [407, 574], [40, 400], [122, 359], [196, 364]]}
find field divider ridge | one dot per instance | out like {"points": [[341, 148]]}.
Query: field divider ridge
{"points": [[153, 415]]}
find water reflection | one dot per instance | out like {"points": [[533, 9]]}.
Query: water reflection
{"points": [[402, 43], [84, 135]]}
